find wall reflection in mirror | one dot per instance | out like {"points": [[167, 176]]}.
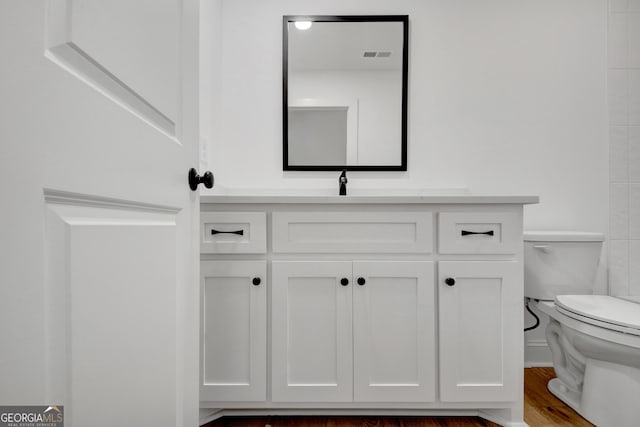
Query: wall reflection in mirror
{"points": [[345, 92]]}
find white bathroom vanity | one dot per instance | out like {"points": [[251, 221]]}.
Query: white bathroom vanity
{"points": [[405, 304]]}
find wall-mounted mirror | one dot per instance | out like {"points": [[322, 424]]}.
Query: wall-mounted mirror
{"points": [[345, 92]]}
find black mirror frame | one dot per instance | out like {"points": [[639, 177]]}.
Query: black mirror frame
{"points": [[404, 19]]}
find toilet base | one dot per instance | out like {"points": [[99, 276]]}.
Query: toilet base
{"points": [[609, 397], [569, 397], [610, 394]]}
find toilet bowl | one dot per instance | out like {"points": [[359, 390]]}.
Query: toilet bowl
{"points": [[594, 339]]}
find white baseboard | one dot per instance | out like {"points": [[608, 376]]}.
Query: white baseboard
{"points": [[538, 365], [537, 354], [207, 415]]}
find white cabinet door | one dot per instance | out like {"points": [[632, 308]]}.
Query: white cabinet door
{"points": [[393, 331], [311, 340], [479, 306], [99, 300], [234, 331]]}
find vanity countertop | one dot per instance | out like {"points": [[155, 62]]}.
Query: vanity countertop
{"points": [[364, 196]]}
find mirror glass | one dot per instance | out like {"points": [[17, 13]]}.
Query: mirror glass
{"points": [[345, 92]]}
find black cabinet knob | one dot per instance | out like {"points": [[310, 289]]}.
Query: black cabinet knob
{"points": [[344, 281], [361, 281], [195, 179], [450, 281], [256, 281]]}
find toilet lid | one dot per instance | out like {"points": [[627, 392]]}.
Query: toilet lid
{"points": [[602, 310]]}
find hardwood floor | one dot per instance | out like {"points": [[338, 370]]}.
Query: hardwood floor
{"points": [[541, 409]]}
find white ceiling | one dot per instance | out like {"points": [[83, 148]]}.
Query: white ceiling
{"points": [[340, 46]]}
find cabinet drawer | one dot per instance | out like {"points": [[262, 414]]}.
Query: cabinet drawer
{"points": [[349, 232], [479, 233], [233, 232]]}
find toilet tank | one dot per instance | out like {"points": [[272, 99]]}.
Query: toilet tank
{"points": [[560, 263]]}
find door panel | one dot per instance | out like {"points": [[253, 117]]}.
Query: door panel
{"points": [[474, 335], [99, 259], [122, 50], [115, 40], [394, 329], [93, 302], [311, 332]]}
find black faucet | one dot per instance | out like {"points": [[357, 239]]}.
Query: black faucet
{"points": [[343, 183]]}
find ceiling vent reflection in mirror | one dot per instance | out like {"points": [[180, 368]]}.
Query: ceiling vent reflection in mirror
{"points": [[376, 54]]}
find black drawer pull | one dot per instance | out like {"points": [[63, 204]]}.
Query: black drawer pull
{"points": [[465, 232], [256, 281], [238, 232]]}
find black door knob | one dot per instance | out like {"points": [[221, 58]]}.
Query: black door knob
{"points": [[195, 179], [344, 281], [256, 281], [450, 281], [361, 281]]}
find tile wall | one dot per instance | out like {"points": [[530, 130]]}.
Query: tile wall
{"points": [[624, 143]]}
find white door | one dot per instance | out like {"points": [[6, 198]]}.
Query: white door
{"points": [[477, 299], [98, 270], [234, 331], [311, 331], [393, 331]]}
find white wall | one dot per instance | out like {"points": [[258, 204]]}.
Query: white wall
{"points": [[504, 97], [624, 116]]}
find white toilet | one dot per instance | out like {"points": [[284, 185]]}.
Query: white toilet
{"points": [[594, 339]]}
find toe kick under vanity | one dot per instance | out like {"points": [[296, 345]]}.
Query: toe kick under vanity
{"points": [[381, 305]]}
